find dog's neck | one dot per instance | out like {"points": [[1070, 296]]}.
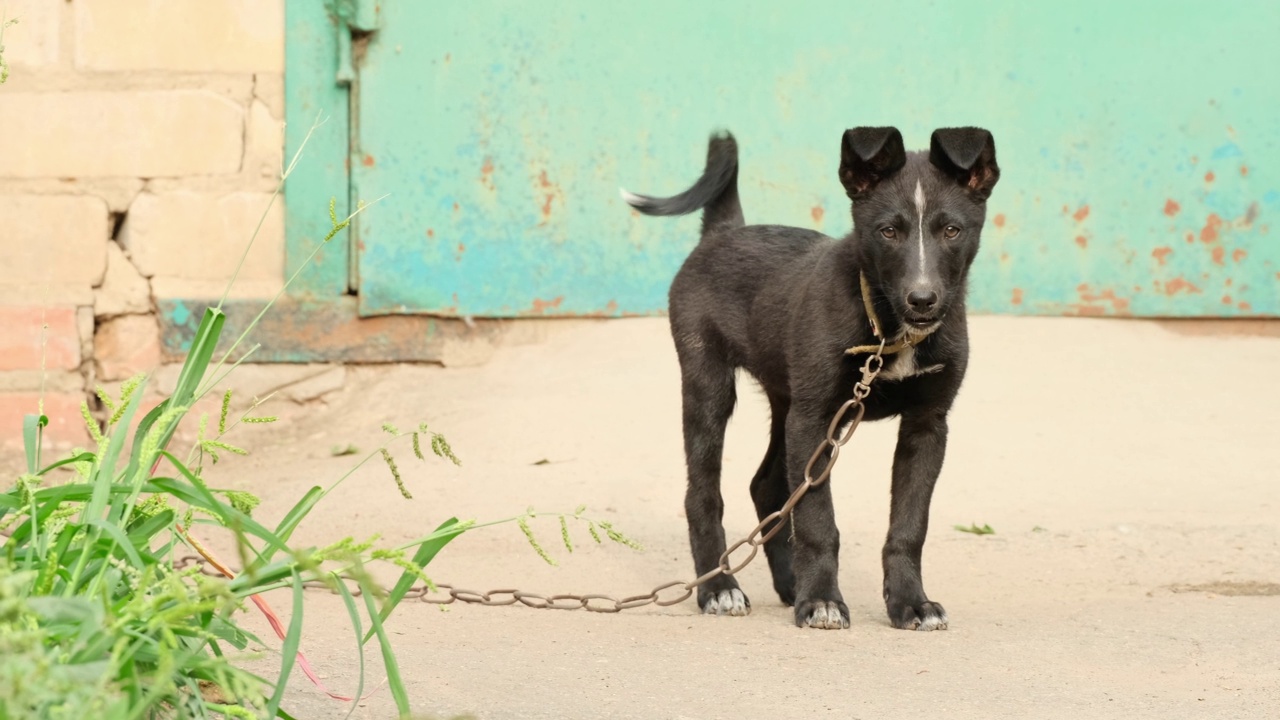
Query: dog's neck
{"points": [[905, 338]]}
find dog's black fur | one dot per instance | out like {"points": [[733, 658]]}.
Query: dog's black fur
{"points": [[784, 303]]}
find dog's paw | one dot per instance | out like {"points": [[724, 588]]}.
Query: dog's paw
{"points": [[822, 614], [922, 616], [726, 602]]}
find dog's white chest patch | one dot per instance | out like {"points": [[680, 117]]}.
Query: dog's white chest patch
{"points": [[905, 366]]}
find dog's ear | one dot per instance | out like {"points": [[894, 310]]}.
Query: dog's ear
{"points": [[967, 154], [868, 155]]}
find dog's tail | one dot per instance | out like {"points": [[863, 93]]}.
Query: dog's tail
{"points": [[716, 192]]}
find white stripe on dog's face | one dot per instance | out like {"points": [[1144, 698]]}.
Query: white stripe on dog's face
{"points": [[919, 199]]}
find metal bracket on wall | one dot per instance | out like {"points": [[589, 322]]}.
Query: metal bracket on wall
{"points": [[357, 20]]}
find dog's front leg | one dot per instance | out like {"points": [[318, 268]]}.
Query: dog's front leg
{"points": [[922, 443], [816, 544]]}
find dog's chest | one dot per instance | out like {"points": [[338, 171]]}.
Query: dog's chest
{"points": [[905, 364]]}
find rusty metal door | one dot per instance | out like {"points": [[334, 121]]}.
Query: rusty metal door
{"points": [[1138, 140]]}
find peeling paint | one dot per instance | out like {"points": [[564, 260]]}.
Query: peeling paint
{"points": [[1171, 207], [1218, 254], [1161, 254], [1179, 285], [1212, 226], [1239, 254], [1081, 214]]}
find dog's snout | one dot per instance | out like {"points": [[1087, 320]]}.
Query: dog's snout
{"points": [[922, 301]]}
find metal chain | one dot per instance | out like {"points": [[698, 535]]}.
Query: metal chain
{"points": [[851, 411]]}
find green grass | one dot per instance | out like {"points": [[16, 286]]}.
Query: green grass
{"points": [[95, 621]]}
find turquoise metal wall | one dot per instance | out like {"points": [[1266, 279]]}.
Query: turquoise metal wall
{"points": [[1138, 142]]}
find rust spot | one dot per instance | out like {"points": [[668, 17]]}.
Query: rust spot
{"points": [[455, 207], [1017, 296], [540, 306], [461, 248], [1004, 257], [1244, 170], [448, 57], [1082, 241], [1226, 299], [1208, 177], [1161, 254], [1191, 238], [486, 173], [1065, 209], [1229, 281], [612, 307], [1245, 306], [1095, 303], [1171, 207], [998, 220], [1195, 159], [367, 161], [551, 190], [817, 212], [1251, 214], [1239, 254], [431, 233], [1218, 254], [1209, 233], [1179, 285], [1081, 214]]}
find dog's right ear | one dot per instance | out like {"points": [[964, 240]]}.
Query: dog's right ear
{"points": [[868, 155]]}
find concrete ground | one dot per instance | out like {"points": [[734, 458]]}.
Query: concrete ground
{"points": [[1129, 472]]}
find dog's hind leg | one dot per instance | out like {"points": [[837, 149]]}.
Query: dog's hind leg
{"points": [[709, 397], [769, 492]]}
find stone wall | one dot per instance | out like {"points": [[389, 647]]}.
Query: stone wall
{"points": [[140, 141]]}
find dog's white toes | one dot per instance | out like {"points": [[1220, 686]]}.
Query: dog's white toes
{"points": [[933, 622], [826, 616], [727, 602]]}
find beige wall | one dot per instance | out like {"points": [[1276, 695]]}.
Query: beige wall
{"points": [[139, 143]]}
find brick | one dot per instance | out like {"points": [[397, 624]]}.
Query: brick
{"points": [[53, 239], [36, 380], [125, 346], [66, 426], [33, 42], [201, 236], [128, 133], [21, 334], [269, 88], [117, 192], [228, 36], [265, 143], [124, 291]]}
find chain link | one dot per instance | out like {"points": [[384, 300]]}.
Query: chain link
{"points": [[850, 412]]}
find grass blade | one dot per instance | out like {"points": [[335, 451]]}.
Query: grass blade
{"points": [[120, 540], [388, 655], [426, 552], [82, 457], [31, 433], [350, 602], [289, 652]]}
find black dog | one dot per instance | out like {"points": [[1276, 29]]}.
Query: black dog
{"points": [[785, 303]]}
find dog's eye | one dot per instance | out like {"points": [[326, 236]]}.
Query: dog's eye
{"points": [[888, 233], [950, 232]]}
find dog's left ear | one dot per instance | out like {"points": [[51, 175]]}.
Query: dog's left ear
{"points": [[967, 154]]}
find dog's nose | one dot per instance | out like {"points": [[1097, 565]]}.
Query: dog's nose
{"points": [[922, 301]]}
